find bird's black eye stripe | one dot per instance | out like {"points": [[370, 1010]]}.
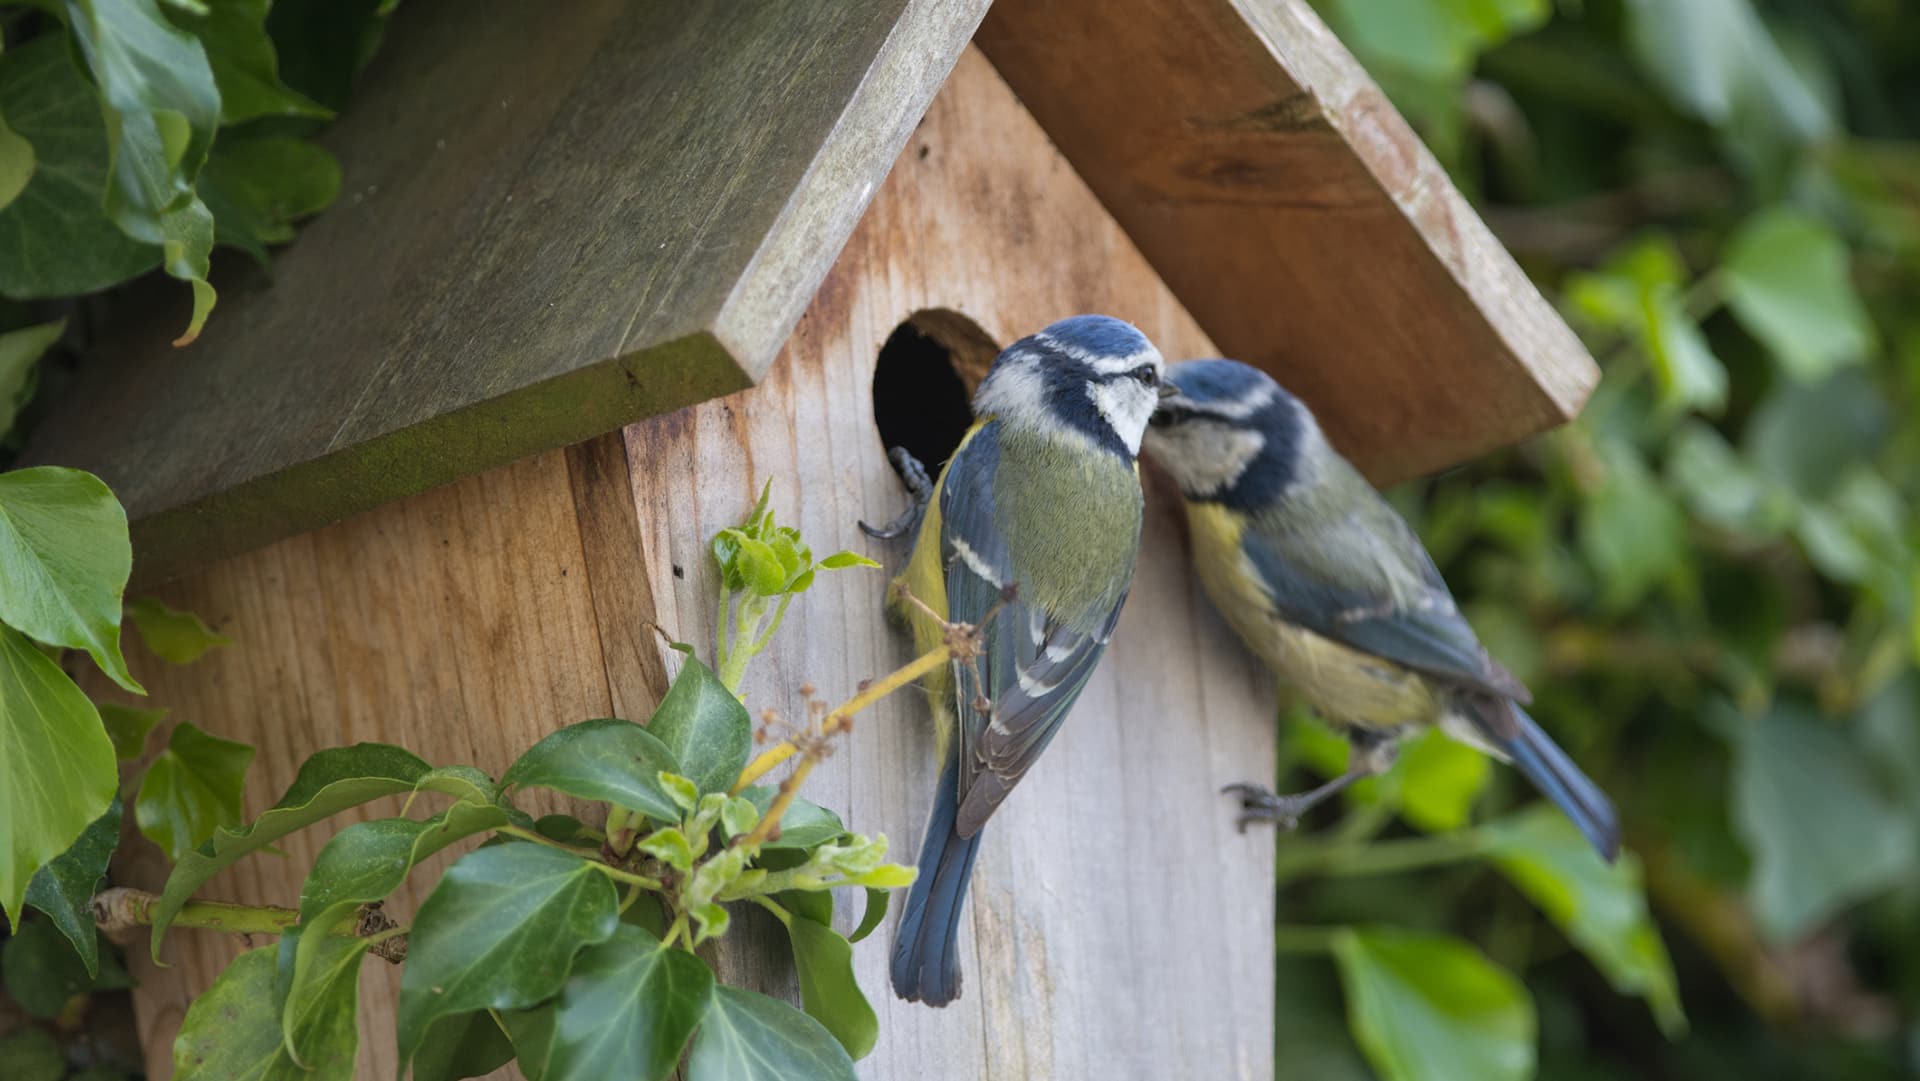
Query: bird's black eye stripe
{"points": [[1146, 374]]}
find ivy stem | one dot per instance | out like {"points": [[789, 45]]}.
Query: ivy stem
{"points": [[530, 835], [1380, 857], [676, 931], [121, 908], [836, 722], [779, 911], [628, 877]]}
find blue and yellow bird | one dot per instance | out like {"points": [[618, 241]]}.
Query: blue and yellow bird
{"points": [[1034, 522], [1332, 588]]}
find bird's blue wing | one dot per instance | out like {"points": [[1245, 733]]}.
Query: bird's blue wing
{"points": [[1033, 666], [1417, 627]]}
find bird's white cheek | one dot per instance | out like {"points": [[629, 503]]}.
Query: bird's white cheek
{"points": [[1125, 404]]}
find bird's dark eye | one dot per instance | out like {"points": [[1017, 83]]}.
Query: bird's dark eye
{"points": [[1160, 419], [1146, 374]]}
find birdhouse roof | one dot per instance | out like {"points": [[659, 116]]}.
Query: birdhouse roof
{"points": [[557, 221]]}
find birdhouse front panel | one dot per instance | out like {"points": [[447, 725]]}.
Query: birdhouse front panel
{"points": [[1118, 924]]}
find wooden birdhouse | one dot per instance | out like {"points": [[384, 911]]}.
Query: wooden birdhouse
{"points": [[600, 270]]}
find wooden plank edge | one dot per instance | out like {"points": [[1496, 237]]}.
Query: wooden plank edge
{"points": [[567, 409], [1540, 344], [813, 227]]}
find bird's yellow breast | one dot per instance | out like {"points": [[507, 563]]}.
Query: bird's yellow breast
{"points": [[1344, 685]]}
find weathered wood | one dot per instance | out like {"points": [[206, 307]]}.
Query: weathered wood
{"points": [[1299, 218], [1120, 926], [556, 220]]}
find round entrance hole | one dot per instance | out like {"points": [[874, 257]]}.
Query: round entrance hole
{"points": [[924, 381]]}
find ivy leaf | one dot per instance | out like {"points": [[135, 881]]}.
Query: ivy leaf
{"points": [[610, 760], [704, 727], [57, 776], [128, 728], [1630, 530], [64, 557], [363, 863], [162, 109], [839, 560], [828, 990], [64, 888], [60, 242], [470, 1045], [1790, 283], [1797, 785], [1426, 1007], [245, 70], [30, 1054], [191, 789], [320, 1018], [1601, 907], [323, 44], [805, 825], [16, 169], [229, 1031], [875, 912], [1717, 60], [20, 349], [1438, 781], [531, 1032], [40, 970], [328, 783], [750, 1037], [500, 932], [258, 187], [627, 1010], [174, 636]]}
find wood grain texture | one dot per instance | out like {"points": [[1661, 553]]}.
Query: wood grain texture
{"points": [[1119, 927], [1293, 211], [555, 220]]}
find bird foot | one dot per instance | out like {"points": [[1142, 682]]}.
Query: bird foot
{"points": [[1258, 804], [919, 487]]}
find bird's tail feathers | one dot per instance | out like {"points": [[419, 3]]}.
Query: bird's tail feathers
{"points": [[926, 946], [1542, 761]]}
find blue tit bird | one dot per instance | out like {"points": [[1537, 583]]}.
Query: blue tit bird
{"points": [[1328, 585], [1029, 534]]}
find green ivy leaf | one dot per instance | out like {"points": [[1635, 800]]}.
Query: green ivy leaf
{"points": [[162, 109], [29, 1054], [174, 636], [1722, 488], [610, 760], [627, 1010], [468, 1045], [320, 1018], [1717, 60], [128, 727], [750, 1037], [230, 1031], [64, 888], [828, 990], [500, 932], [531, 1032], [704, 727], [60, 240], [245, 70], [669, 846], [328, 783], [805, 825], [760, 569], [1601, 907], [191, 789], [258, 187], [1789, 282], [323, 44], [1631, 531], [40, 970], [1797, 785], [1438, 781], [57, 776], [1427, 1007], [840, 560], [64, 557], [870, 918], [20, 349], [16, 170]]}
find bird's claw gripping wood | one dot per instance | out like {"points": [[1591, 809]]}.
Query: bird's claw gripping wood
{"points": [[1258, 804], [919, 487]]}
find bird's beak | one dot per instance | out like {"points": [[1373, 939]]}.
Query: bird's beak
{"points": [[1169, 391]]}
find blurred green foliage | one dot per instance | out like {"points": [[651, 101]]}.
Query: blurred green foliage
{"points": [[1709, 580]]}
